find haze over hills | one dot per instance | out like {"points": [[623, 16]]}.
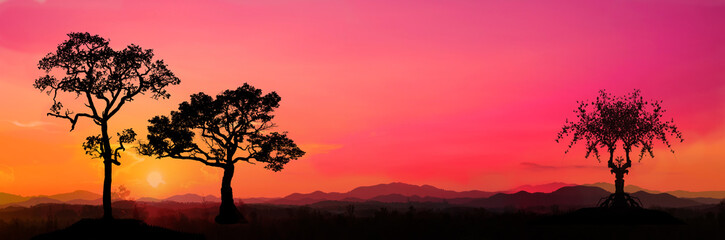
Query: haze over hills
{"points": [[193, 198], [76, 195], [89, 198], [6, 198]]}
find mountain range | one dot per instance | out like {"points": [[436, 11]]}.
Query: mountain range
{"points": [[527, 196], [76, 197], [370, 192], [678, 193]]}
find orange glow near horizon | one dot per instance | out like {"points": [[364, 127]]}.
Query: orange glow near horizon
{"points": [[460, 95]]}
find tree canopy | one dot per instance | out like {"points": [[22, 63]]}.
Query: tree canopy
{"points": [[227, 129], [629, 121], [106, 79]]}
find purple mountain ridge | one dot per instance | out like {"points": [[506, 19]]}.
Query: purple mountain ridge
{"points": [[521, 197], [193, 198], [76, 195], [677, 193], [545, 188], [370, 192]]}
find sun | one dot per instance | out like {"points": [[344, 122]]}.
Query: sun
{"points": [[155, 179]]}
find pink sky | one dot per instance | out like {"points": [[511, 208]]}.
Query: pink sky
{"points": [[456, 94]]}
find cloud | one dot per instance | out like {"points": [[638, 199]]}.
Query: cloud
{"points": [[315, 148], [209, 175], [536, 166], [30, 124], [7, 175], [128, 165]]}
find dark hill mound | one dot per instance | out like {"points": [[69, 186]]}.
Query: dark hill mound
{"points": [[115, 229], [612, 216]]}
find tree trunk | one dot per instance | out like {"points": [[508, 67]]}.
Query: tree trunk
{"points": [[624, 170], [107, 174], [228, 212], [619, 184], [621, 199], [107, 210]]}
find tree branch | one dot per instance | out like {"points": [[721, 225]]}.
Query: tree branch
{"points": [[74, 119], [198, 159], [91, 105]]}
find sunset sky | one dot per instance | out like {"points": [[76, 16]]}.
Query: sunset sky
{"points": [[456, 94]]}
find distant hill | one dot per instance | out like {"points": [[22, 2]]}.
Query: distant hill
{"points": [[149, 199], [707, 200], [6, 198], [32, 202], [707, 196], [574, 196], [193, 198], [525, 196], [663, 200], [75, 195], [545, 188], [257, 200], [565, 197], [570, 197], [703, 194], [369, 192], [98, 201], [81, 197], [628, 188], [390, 198], [577, 196]]}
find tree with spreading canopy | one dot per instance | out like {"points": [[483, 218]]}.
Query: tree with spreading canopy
{"points": [[104, 80], [219, 132], [629, 122]]}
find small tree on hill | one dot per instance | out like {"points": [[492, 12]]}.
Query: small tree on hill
{"points": [[219, 132], [104, 80], [609, 122]]}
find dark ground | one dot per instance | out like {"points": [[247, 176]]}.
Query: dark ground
{"points": [[372, 220], [115, 229]]}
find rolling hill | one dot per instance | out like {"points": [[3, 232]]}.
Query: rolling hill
{"points": [[370, 192], [703, 195], [527, 196]]}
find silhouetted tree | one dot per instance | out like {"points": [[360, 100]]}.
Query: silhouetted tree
{"points": [[220, 132], [105, 80], [628, 121], [122, 193]]}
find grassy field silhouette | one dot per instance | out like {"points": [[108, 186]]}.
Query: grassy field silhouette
{"points": [[368, 220]]}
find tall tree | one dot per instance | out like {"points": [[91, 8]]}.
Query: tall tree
{"points": [[610, 122], [104, 80], [219, 132]]}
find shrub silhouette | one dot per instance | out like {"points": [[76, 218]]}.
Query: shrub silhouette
{"points": [[230, 128], [105, 80], [628, 121]]}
